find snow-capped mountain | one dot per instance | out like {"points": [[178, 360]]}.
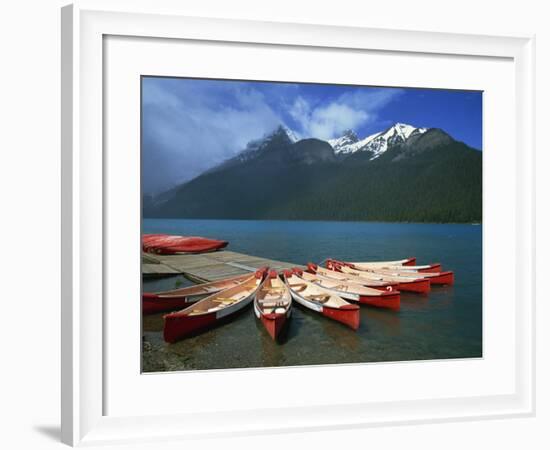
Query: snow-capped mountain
{"points": [[277, 179], [344, 142], [376, 143], [292, 135], [345, 145]]}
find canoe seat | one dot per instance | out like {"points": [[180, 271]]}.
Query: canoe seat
{"points": [[321, 298], [227, 301], [234, 298], [280, 303], [299, 287], [265, 305], [341, 287], [277, 289]]}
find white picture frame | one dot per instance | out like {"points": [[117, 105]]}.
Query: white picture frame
{"points": [[84, 416]]}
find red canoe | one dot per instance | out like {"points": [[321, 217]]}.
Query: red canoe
{"points": [[169, 245], [378, 265], [321, 300], [272, 304], [155, 302], [355, 292], [442, 278], [151, 241], [333, 274], [432, 272], [399, 262], [410, 284], [212, 310]]}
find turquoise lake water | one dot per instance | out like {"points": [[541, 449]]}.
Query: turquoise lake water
{"points": [[447, 323]]}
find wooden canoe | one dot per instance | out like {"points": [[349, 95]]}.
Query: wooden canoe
{"points": [[376, 265], [171, 244], [273, 304], [150, 242], [436, 277], [410, 283], [155, 302], [440, 278], [335, 275], [322, 300], [354, 292], [212, 310], [399, 262]]}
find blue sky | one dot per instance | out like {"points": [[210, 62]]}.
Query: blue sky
{"points": [[191, 125]]}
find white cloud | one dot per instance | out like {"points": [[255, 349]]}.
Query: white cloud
{"points": [[190, 127], [350, 110]]}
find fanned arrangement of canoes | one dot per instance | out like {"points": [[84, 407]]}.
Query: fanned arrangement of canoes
{"points": [[167, 244], [334, 291]]}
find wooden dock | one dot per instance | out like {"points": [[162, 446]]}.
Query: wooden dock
{"points": [[206, 266]]}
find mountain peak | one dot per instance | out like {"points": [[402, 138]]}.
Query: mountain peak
{"points": [[376, 143], [343, 143], [350, 133], [280, 136], [404, 130], [284, 131]]}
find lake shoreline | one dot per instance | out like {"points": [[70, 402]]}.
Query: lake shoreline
{"points": [[320, 220]]}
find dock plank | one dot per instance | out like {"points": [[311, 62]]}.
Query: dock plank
{"points": [[157, 269], [207, 266]]}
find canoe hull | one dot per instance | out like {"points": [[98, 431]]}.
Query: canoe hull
{"points": [[443, 278], [180, 325], [155, 305], [433, 268], [274, 323], [347, 314], [198, 248], [389, 301], [170, 244], [390, 287], [429, 268], [400, 262], [420, 286]]}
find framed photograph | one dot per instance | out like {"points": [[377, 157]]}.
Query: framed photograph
{"points": [[317, 227], [230, 189]]}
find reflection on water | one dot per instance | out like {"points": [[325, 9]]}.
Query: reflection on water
{"points": [[444, 324], [389, 321]]}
